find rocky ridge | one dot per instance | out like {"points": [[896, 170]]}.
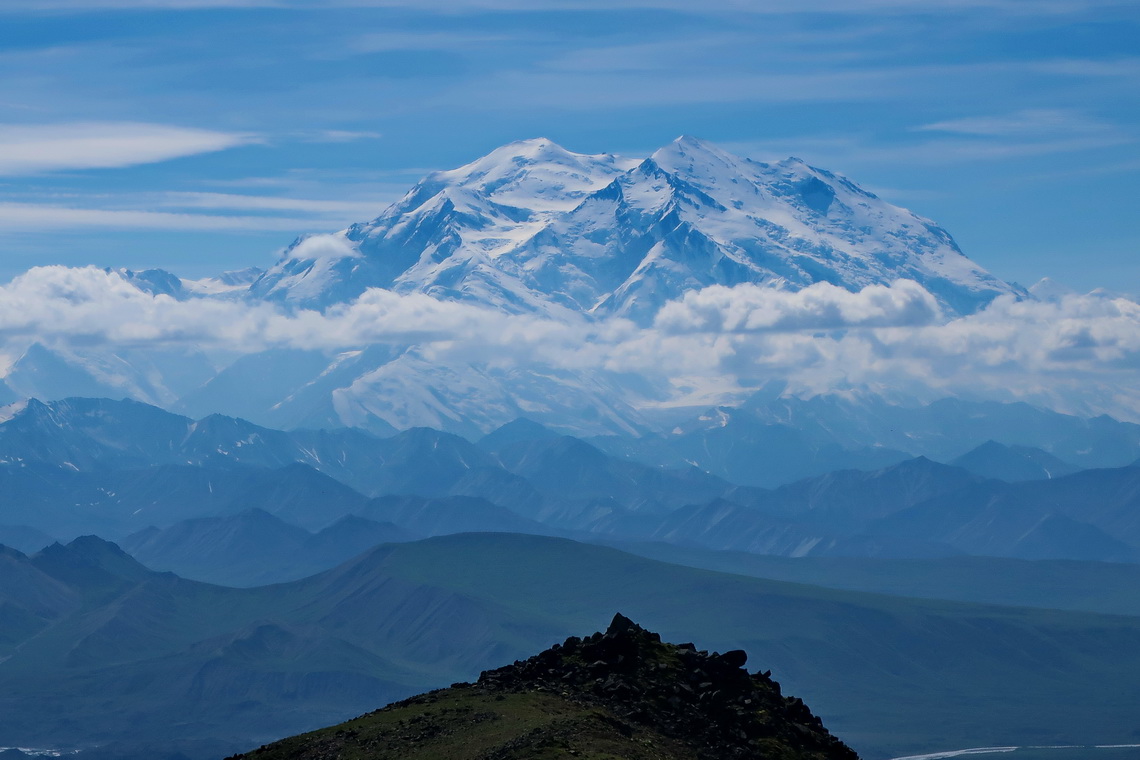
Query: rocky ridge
{"points": [[706, 699], [619, 694]]}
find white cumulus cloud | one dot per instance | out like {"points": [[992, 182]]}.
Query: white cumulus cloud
{"points": [[1078, 353], [821, 306]]}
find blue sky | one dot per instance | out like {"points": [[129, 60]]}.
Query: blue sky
{"points": [[203, 135]]}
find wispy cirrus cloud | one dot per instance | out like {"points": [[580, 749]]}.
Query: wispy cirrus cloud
{"points": [[1023, 134], [647, 74], [757, 7], [588, 90], [37, 148], [1029, 122], [188, 211], [419, 40], [41, 216], [354, 209], [337, 136], [40, 6]]}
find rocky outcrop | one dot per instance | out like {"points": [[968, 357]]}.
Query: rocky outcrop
{"points": [[623, 694], [707, 700]]}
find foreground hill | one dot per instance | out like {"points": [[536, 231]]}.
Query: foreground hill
{"points": [[623, 693], [95, 649]]}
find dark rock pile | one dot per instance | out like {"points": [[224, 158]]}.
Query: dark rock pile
{"points": [[708, 701]]}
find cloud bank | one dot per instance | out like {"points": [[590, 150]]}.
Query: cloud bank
{"points": [[821, 306], [1078, 353]]}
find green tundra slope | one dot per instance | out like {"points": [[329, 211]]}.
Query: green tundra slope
{"points": [[1108, 587]]}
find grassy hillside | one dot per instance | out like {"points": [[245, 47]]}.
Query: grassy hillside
{"points": [[1111, 588], [470, 724]]}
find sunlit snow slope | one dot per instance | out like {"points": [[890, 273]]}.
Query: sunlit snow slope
{"points": [[532, 227]]}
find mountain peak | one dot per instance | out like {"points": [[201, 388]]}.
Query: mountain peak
{"points": [[534, 147], [533, 150], [89, 560], [515, 431], [1012, 463], [691, 143], [708, 700], [533, 227], [622, 693], [17, 408], [691, 155], [521, 172]]}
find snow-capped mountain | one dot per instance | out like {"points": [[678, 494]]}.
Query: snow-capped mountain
{"points": [[532, 227], [528, 229], [455, 234]]}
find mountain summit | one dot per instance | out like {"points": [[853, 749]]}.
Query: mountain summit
{"points": [[619, 694], [533, 227]]}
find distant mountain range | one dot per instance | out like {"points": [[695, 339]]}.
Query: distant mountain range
{"points": [[529, 229], [254, 548], [384, 579], [210, 497]]}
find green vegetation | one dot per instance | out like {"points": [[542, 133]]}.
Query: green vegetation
{"points": [[467, 723], [1105, 587]]}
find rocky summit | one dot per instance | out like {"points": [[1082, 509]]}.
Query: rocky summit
{"points": [[619, 694]]}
